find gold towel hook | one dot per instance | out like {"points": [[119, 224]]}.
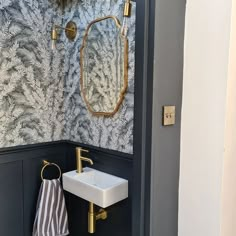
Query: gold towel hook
{"points": [[46, 164]]}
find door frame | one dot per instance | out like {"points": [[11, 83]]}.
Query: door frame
{"points": [[144, 56]]}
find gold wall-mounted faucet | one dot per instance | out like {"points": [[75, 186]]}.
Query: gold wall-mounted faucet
{"points": [[80, 158]]}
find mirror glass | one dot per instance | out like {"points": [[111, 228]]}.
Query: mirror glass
{"points": [[104, 66]]}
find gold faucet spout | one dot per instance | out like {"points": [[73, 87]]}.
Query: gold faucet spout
{"points": [[87, 159]]}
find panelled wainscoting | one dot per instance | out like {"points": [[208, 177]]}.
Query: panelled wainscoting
{"points": [[20, 179]]}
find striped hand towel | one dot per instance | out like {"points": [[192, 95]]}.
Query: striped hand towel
{"points": [[51, 216]]}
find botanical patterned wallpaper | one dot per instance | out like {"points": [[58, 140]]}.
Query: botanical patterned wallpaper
{"points": [[40, 99], [31, 78]]}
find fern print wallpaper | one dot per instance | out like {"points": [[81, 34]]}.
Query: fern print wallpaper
{"points": [[39, 89], [31, 79], [112, 133]]}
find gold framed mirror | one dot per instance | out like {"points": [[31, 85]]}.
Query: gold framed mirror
{"points": [[104, 66]]}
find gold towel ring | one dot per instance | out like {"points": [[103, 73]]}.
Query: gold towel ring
{"points": [[46, 164]]}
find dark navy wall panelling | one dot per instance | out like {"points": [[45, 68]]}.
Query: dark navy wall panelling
{"points": [[20, 181], [11, 199]]}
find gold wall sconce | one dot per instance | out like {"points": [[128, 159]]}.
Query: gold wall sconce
{"points": [[127, 8], [70, 31]]}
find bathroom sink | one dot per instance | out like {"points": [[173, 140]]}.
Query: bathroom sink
{"points": [[95, 186]]}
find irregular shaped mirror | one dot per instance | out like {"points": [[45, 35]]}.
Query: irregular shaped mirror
{"points": [[104, 66]]}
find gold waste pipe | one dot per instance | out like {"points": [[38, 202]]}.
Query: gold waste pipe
{"points": [[93, 217]]}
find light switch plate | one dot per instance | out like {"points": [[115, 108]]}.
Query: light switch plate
{"points": [[168, 115]]}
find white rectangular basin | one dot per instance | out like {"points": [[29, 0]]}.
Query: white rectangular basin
{"points": [[95, 186]]}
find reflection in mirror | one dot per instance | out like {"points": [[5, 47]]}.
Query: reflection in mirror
{"points": [[104, 66]]}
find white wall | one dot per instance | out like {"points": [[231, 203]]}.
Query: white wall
{"points": [[228, 217], [203, 116]]}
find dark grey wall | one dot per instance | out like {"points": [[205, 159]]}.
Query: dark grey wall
{"points": [[167, 90]]}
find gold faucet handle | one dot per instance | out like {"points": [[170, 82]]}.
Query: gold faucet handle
{"points": [[84, 150], [79, 149]]}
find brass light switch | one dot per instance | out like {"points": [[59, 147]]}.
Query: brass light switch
{"points": [[168, 115]]}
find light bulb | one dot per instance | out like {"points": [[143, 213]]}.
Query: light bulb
{"points": [[53, 45], [124, 29], [54, 37]]}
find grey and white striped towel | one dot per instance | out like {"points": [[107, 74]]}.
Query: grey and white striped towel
{"points": [[51, 216]]}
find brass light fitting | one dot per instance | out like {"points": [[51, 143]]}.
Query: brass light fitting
{"points": [[93, 217], [127, 8], [70, 31]]}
